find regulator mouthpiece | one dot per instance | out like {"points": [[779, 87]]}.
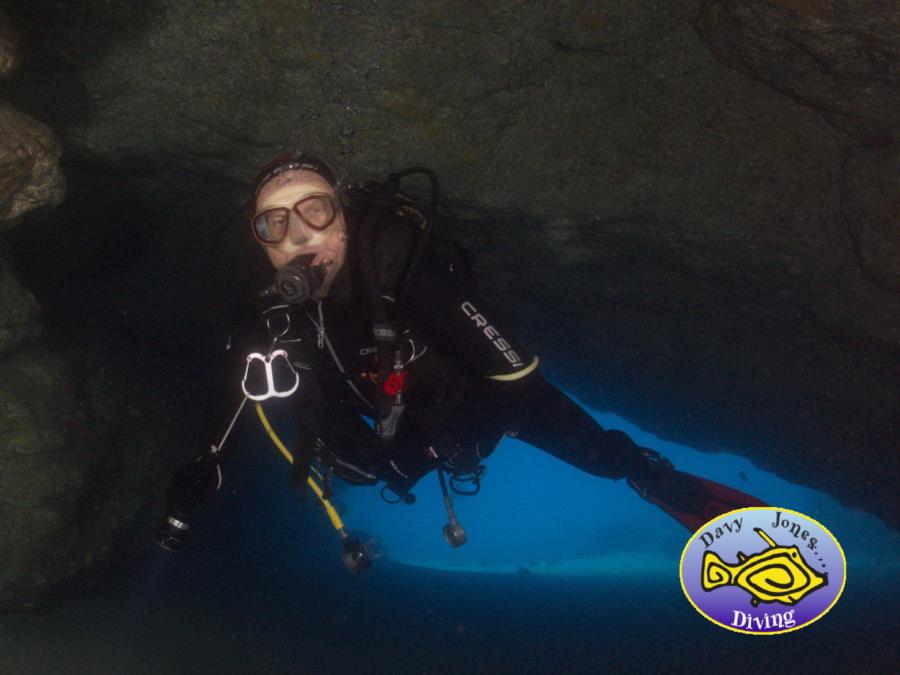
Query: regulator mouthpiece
{"points": [[297, 281]]}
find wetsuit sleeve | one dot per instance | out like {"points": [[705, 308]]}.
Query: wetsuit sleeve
{"points": [[462, 325], [509, 394], [459, 325], [200, 478]]}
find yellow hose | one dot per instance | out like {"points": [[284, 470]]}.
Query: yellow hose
{"points": [[333, 515]]}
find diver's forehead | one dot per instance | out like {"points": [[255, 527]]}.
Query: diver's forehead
{"points": [[286, 188]]}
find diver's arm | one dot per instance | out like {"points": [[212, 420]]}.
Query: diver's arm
{"points": [[198, 479], [462, 325], [508, 392], [461, 328]]}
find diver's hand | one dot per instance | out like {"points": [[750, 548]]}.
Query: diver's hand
{"points": [[402, 473], [460, 460], [206, 472], [194, 482], [465, 463]]}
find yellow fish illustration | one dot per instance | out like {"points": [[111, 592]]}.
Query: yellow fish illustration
{"points": [[776, 574]]}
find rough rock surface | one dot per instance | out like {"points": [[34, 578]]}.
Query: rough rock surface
{"points": [[688, 208], [29, 165], [871, 208], [9, 46], [87, 436], [42, 477], [35, 476], [49, 527], [839, 57], [18, 310], [85, 428]]}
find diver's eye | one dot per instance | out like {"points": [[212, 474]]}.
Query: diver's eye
{"points": [[317, 211], [271, 226]]}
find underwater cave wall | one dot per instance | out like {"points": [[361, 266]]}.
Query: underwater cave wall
{"points": [[39, 474], [83, 424], [689, 209]]}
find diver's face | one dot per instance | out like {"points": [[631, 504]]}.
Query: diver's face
{"points": [[329, 244]]}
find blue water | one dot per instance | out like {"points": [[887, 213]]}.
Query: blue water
{"points": [[562, 572], [535, 512]]}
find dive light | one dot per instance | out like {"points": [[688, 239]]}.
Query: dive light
{"points": [[192, 484], [171, 533]]}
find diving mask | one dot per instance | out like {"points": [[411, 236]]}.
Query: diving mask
{"points": [[314, 211]]}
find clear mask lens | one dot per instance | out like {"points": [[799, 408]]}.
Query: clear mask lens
{"points": [[271, 226], [316, 212]]}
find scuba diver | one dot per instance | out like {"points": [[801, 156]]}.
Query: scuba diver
{"points": [[393, 365]]}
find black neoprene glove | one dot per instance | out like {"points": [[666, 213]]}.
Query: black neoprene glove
{"points": [[193, 483]]}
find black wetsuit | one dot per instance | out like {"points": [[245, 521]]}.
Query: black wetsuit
{"points": [[470, 380]]}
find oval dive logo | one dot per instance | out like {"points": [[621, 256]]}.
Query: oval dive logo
{"points": [[763, 570]]}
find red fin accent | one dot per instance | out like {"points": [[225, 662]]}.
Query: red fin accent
{"points": [[719, 499]]}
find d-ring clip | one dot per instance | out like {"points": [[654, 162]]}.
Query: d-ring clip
{"points": [[267, 361]]}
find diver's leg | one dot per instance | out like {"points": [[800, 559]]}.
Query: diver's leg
{"points": [[551, 421]]}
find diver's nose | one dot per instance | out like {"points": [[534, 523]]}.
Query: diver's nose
{"points": [[299, 234]]}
